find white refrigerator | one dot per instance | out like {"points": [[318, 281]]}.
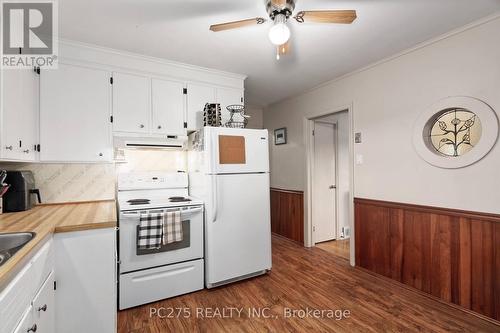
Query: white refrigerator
{"points": [[229, 169]]}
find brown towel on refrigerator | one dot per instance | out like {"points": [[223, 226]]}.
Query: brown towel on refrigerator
{"points": [[172, 227]]}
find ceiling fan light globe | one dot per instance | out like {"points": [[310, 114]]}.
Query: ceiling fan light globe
{"points": [[279, 34]]}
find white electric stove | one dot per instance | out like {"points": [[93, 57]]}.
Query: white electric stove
{"points": [[174, 269]]}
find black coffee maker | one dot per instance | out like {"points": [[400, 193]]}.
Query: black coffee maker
{"points": [[19, 197]]}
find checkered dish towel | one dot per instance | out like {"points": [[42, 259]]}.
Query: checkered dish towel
{"points": [[172, 227], [150, 231]]}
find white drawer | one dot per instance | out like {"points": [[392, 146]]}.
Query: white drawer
{"points": [[44, 306], [15, 299], [159, 283]]}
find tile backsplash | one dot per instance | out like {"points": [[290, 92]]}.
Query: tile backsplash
{"points": [[87, 182]]}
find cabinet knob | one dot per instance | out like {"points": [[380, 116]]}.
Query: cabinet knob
{"points": [[101, 154], [8, 147], [141, 126], [43, 308], [32, 328], [159, 126], [27, 151]]}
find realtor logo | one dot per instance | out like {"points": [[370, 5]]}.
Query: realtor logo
{"points": [[29, 33]]}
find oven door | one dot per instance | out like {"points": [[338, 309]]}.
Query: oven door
{"points": [[191, 247]]}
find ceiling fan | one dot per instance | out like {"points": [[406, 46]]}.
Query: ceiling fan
{"points": [[279, 12]]}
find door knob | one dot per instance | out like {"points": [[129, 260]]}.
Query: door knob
{"points": [[331, 187]]}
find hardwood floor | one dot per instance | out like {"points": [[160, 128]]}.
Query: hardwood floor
{"points": [[339, 247], [306, 278]]}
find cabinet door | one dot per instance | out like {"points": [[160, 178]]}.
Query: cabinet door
{"points": [[75, 110], [197, 97], [86, 281], [131, 103], [228, 96], [44, 307], [20, 114], [168, 107]]}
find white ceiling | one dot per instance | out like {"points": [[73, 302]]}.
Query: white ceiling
{"points": [[178, 30]]}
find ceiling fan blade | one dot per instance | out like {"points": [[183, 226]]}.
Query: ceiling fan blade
{"points": [[326, 16], [237, 24]]}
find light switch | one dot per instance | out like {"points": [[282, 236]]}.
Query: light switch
{"points": [[357, 137], [359, 159]]}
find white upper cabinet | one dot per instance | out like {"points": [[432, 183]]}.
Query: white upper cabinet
{"points": [[131, 103], [197, 96], [19, 127], [226, 97], [168, 107], [75, 110]]}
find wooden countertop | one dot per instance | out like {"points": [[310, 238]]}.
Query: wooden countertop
{"points": [[45, 220]]}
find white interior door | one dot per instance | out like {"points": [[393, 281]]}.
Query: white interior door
{"points": [[324, 182]]}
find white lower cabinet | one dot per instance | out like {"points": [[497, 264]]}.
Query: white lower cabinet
{"points": [[68, 286], [33, 285], [86, 281]]}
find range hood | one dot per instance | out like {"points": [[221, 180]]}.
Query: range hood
{"points": [[168, 143]]}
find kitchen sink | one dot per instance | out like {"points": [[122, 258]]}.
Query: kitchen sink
{"points": [[10, 243]]}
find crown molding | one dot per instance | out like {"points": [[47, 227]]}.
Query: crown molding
{"points": [[151, 59]]}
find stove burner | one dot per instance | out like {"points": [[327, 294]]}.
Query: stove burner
{"points": [[138, 201], [178, 199]]}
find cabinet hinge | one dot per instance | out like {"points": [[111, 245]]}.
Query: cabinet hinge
{"points": [[111, 80], [185, 91], [55, 285], [185, 125], [111, 118]]}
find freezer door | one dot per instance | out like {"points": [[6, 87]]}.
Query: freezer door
{"points": [[238, 227], [230, 150]]}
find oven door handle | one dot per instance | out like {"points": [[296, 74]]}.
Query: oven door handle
{"points": [[183, 211]]}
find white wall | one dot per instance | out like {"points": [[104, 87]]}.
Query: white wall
{"points": [[256, 120], [386, 100]]}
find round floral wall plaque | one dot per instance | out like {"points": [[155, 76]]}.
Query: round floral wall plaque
{"points": [[455, 132]]}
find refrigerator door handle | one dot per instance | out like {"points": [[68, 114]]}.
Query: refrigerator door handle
{"points": [[214, 198]]}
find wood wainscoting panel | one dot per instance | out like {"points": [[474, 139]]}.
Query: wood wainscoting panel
{"points": [[287, 214], [451, 254]]}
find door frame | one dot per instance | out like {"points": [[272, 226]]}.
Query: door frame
{"points": [[308, 123], [335, 143]]}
